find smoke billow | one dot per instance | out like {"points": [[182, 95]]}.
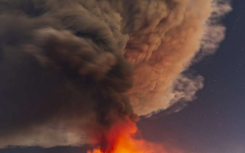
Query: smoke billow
{"points": [[170, 36], [70, 68]]}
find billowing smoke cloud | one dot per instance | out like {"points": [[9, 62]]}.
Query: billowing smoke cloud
{"points": [[170, 36], [74, 66]]}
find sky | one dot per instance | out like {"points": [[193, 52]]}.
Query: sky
{"points": [[212, 123]]}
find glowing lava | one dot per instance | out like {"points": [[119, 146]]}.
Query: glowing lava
{"points": [[121, 139]]}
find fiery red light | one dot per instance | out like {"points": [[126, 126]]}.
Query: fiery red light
{"points": [[121, 139]]}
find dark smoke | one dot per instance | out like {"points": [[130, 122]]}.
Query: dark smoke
{"points": [[71, 69], [61, 62]]}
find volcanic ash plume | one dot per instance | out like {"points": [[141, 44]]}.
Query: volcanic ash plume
{"points": [[72, 71]]}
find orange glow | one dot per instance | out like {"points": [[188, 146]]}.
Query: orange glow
{"points": [[125, 142]]}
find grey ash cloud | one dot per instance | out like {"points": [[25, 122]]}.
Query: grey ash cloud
{"points": [[69, 67]]}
